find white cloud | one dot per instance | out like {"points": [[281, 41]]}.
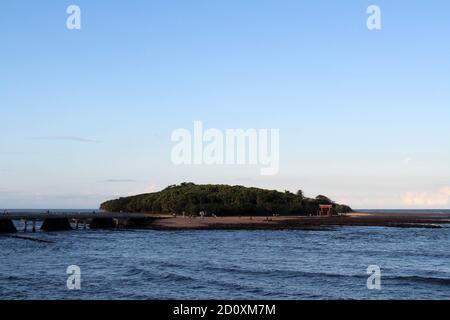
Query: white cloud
{"points": [[427, 199]]}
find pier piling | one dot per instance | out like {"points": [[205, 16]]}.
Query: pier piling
{"points": [[7, 226], [102, 223], [56, 224]]}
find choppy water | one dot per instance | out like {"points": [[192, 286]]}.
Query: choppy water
{"points": [[415, 264]]}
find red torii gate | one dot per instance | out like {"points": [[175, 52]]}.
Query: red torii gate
{"points": [[326, 210]]}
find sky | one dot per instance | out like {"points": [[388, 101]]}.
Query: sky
{"points": [[87, 115]]}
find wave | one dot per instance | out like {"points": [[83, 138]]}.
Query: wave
{"points": [[421, 279], [280, 273]]}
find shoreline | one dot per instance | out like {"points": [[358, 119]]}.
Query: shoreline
{"points": [[398, 220], [166, 222]]}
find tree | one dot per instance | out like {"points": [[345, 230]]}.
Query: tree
{"points": [[222, 200], [324, 200]]}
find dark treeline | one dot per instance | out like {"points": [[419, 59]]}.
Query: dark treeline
{"points": [[222, 200]]}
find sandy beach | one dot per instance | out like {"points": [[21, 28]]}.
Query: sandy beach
{"points": [[403, 220]]}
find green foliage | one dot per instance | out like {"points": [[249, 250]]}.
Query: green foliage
{"points": [[323, 200], [220, 200]]}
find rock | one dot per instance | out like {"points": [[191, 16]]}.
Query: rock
{"points": [[136, 223]]}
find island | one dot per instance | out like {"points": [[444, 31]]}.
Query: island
{"points": [[191, 199], [190, 206]]}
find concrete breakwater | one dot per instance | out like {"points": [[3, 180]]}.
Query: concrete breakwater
{"points": [[7, 226], [70, 221]]}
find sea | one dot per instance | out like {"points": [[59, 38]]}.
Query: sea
{"points": [[333, 263]]}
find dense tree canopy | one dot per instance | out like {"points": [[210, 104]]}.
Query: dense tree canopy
{"points": [[221, 200]]}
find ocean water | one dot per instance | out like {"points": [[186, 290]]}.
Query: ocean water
{"points": [[146, 264]]}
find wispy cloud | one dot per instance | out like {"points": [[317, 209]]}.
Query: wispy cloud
{"points": [[428, 199], [119, 180], [69, 138]]}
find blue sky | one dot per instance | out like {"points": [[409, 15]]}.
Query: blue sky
{"points": [[86, 115]]}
